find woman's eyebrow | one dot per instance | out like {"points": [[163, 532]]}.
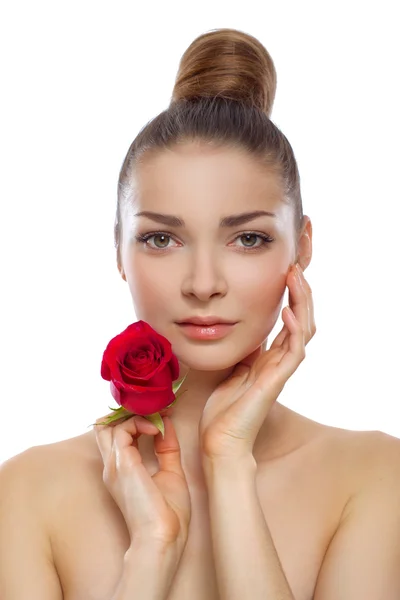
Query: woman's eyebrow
{"points": [[230, 221]]}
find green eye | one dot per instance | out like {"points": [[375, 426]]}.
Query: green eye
{"points": [[250, 235], [248, 240], [164, 238]]}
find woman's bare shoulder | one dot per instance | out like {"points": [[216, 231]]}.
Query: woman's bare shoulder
{"points": [[363, 454], [371, 445], [44, 467], [360, 454]]}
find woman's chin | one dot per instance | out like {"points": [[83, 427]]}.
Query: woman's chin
{"points": [[205, 364]]}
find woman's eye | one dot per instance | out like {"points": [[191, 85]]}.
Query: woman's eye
{"points": [[160, 240], [249, 240]]}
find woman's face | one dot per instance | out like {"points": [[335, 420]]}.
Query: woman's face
{"points": [[200, 268]]}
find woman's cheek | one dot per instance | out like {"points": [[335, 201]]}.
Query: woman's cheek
{"points": [[263, 283], [265, 299], [149, 290]]}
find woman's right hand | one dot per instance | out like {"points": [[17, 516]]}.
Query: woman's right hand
{"points": [[156, 507]]}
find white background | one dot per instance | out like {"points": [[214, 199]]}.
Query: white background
{"points": [[79, 80]]}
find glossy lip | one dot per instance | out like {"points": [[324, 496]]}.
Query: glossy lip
{"points": [[206, 321], [206, 332]]}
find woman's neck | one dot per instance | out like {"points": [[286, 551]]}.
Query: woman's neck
{"points": [[277, 433], [196, 389]]}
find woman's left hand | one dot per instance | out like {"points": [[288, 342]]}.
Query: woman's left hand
{"points": [[238, 407]]}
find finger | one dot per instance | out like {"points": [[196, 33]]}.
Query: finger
{"points": [[101, 423], [291, 359], [100, 420], [242, 368], [280, 338], [122, 434], [125, 461], [168, 450], [104, 433], [144, 426], [299, 301], [311, 314], [104, 438], [127, 433]]}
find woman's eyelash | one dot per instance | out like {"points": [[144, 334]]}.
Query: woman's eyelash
{"points": [[265, 239]]}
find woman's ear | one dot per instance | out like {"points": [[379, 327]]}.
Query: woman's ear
{"points": [[304, 247], [121, 271]]}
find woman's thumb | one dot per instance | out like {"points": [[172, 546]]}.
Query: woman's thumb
{"points": [[168, 450]]}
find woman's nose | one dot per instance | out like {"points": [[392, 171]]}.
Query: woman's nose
{"points": [[204, 277]]}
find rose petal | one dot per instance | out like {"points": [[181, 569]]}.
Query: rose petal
{"points": [[147, 402], [105, 370], [174, 367], [115, 393], [141, 366]]}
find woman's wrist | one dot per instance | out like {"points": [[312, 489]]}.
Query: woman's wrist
{"points": [[148, 570], [228, 468], [160, 550]]}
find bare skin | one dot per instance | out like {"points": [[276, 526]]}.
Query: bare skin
{"points": [[320, 488], [307, 474]]}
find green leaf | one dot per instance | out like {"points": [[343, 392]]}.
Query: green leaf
{"points": [[156, 419]]}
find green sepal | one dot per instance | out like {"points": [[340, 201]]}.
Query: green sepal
{"points": [[120, 414], [178, 383], [176, 398], [175, 388], [156, 419]]}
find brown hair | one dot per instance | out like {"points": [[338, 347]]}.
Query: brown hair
{"points": [[223, 94]]}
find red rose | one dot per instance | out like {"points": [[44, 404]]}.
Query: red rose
{"points": [[141, 367]]}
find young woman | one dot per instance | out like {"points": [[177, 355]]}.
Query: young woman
{"points": [[243, 498]]}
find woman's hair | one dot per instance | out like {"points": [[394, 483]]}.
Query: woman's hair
{"points": [[223, 95]]}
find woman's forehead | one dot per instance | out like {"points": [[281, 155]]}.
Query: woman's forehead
{"points": [[225, 176], [190, 197]]}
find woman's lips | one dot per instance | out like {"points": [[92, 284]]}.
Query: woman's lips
{"points": [[206, 332]]}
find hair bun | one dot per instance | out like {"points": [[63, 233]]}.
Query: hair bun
{"points": [[230, 64]]}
